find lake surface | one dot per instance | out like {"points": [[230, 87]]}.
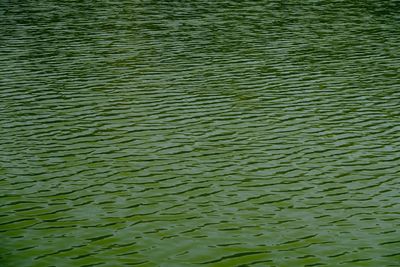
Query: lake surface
{"points": [[199, 133]]}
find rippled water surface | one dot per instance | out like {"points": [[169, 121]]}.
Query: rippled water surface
{"points": [[199, 133]]}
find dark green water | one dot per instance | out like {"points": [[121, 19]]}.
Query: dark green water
{"points": [[201, 133]]}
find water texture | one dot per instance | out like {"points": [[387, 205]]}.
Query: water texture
{"points": [[199, 133]]}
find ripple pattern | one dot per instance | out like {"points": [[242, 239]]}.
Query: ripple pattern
{"points": [[200, 133]]}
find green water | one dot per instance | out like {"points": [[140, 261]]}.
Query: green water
{"points": [[201, 133]]}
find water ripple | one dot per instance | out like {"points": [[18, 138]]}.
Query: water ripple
{"points": [[155, 133]]}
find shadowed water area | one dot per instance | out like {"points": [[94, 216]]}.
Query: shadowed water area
{"points": [[201, 133]]}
